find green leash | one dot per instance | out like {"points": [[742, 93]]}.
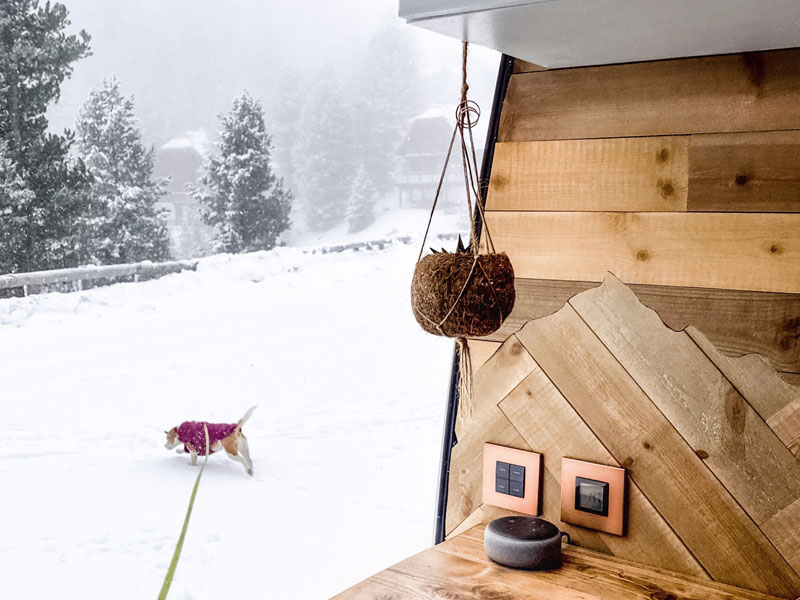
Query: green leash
{"points": [[177, 554]]}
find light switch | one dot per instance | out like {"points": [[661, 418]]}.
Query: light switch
{"points": [[512, 478]]}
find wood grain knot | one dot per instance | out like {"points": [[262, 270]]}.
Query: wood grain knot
{"points": [[445, 594], [662, 595], [628, 462], [499, 181], [742, 178], [490, 592], [775, 249], [666, 187], [662, 155], [642, 255], [647, 446], [701, 454], [789, 334], [516, 349], [735, 412]]}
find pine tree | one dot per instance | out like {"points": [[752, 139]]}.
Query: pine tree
{"points": [[326, 156], [123, 224], [15, 200], [361, 203], [36, 55], [240, 195], [388, 96]]}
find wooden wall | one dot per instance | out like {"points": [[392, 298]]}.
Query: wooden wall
{"points": [[682, 178]]}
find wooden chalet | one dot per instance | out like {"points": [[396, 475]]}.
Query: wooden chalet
{"points": [[643, 167]]}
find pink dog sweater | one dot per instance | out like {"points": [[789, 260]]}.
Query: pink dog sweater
{"points": [[192, 432]]}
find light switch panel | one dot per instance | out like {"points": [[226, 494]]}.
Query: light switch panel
{"points": [[593, 495], [512, 478]]}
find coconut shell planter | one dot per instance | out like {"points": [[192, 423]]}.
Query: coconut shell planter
{"points": [[462, 294]]}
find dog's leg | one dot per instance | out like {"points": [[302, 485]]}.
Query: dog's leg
{"points": [[194, 457], [244, 451]]}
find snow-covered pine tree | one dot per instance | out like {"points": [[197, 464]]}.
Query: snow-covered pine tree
{"points": [[36, 55], [326, 157], [15, 201], [389, 94], [123, 224], [241, 196], [361, 203]]}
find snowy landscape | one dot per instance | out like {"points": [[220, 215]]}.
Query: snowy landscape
{"points": [[268, 143], [345, 441]]}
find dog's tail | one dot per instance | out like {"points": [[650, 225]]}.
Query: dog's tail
{"points": [[246, 416]]}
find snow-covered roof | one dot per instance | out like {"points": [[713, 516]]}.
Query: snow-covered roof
{"points": [[195, 140]]}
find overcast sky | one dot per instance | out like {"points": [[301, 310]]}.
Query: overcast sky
{"points": [[185, 60]]}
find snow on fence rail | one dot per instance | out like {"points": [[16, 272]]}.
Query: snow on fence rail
{"points": [[90, 272], [379, 244]]}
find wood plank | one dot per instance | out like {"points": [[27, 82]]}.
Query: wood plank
{"points": [[620, 174], [459, 569], [466, 464], [776, 401], [480, 351], [714, 94], [501, 373], [551, 426], [759, 252], [737, 322], [699, 401], [791, 378], [698, 508], [745, 172], [609, 575], [785, 526]]}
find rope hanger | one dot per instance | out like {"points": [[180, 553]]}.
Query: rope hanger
{"points": [[467, 116]]}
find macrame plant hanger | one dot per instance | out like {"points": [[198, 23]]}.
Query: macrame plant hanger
{"points": [[467, 116]]}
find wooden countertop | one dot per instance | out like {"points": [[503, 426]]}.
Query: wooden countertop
{"points": [[458, 569]]}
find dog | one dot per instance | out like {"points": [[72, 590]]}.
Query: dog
{"points": [[221, 436]]}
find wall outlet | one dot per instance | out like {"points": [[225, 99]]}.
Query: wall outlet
{"points": [[512, 479], [593, 495]]}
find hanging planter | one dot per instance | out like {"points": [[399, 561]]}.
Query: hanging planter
{"points": [[462, 294], [469, 292], [465, 293]]}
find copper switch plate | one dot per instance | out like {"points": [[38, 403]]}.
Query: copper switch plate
{"points": [[609, 485], [529, 504]]}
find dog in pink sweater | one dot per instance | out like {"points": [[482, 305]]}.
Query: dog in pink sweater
{"points": [[221, 436]]}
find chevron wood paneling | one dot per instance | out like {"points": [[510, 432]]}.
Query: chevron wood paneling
{"points": [[714, 491], [737, 322]]}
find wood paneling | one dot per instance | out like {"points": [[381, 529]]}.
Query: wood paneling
{"points": [[623, 174], [464, 484], [715, 94], [759, 252], [745, 172], [710, 414], [667, 470], [459, 569], [737, 322], [551, 426], [709, 432], [604, 380], [776, 401]]}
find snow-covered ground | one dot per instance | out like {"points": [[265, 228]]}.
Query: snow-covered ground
{"points": [[345, 441]]}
